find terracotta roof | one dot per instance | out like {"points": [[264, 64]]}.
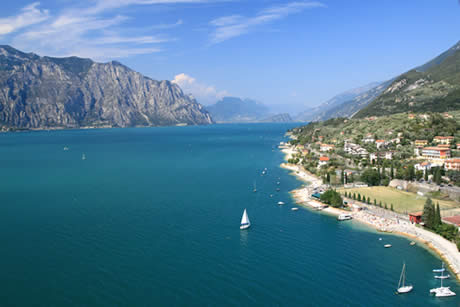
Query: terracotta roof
{"points": [[380, 141], [436, 148], [453, 161], [419, 213], [443, 137], [324, 158], [453, 219]]}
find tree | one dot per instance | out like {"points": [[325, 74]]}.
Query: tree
{"points": [[346, 178], [371, 177], [328, 178], [429, 213], [426, 175], [375, 202], [386, 207], [391, 208], [368, 200], [332, 198], [342, 177], [380, 204], [345, 194], [437, 217], [359, 197], [354, 196], [392, 171], [437, 176]]}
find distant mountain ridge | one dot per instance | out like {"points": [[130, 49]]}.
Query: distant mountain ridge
{"points": [[344, 104], [434, 86], [44, 92], [237, 110]]}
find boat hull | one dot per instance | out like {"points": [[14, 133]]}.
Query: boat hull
{"points": [[405, 289], [242, 227]]}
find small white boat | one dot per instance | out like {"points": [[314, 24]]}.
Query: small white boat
{"points": [[412, 243], [66, 148], [442, 276], [255, 187], [280, 203], [380, 239], [294, 209], [402, 288], [344, 217], [83, 157], [387, 245], [271, 195], [439, 270], [245, 223], [278, 183]]}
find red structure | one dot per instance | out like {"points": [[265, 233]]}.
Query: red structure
{"points": [[416, 217]]}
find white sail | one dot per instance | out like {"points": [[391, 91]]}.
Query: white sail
{"points": [[245, 223]]}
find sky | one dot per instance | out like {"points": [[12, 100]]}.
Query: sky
{"points": [[289, 55]]}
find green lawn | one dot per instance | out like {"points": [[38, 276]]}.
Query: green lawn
{"points": [[402, 201]]}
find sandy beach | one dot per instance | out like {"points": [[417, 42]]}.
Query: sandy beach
{"points": [[380, 219]]}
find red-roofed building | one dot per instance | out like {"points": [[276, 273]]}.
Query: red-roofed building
{"points": [[416, 217], [458, 146], [452, 220], [323, 161], [436, 153], [452, 164]]}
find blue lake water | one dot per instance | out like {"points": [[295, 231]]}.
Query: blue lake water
{"points": [[151, 218]]}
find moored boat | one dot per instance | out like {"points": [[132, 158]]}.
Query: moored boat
{"points": [[344, 217], [402, 287]]}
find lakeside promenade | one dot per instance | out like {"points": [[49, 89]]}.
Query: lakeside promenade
{"points": [[378, 218]]}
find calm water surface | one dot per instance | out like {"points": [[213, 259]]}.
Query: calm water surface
{"points": [[151, 218]]}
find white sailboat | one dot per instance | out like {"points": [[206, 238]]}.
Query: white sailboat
{"points": [[402, 288], [245, 223], [255, 187], [439, 270]]}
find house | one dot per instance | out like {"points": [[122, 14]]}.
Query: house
{"points": [[435, 153], [326, 147], [369, 138], [443, 139], [380, 143], [424, 166], [355, 149], [342, 132], [305, 151], [447, 115], [424, 116], [321, 138], [416, 217], [452, 165], [395, 140], [388, 155], [458, 146], [421, 142], [400, 134], [323, 161], [411, 116]]}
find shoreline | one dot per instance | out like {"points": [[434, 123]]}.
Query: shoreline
{"points": [[376, 218]]}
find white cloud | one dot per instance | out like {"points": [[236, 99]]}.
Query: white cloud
{"points": [[29, 15], [92, 29], [204, 93], [228, 27]]}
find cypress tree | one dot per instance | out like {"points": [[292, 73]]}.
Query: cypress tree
{"points": [[429, 214], [342, 177], [380, 204], [426, 175], [438, 220], [375, 202], [354, 196], [359, 197], [386, 207], [328, 178], [392, 171], [368, 200], [392, 209]]}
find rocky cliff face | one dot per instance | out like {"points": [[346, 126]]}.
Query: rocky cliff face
{"points": [[44, 92]]}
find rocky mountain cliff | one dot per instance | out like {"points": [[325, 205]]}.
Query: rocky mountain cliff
{"points": [[44, 92], [434, 86]]}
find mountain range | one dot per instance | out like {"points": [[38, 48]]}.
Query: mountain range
{"points": [[434, 86], [237, 110], [44, 92], [344, 104]]}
